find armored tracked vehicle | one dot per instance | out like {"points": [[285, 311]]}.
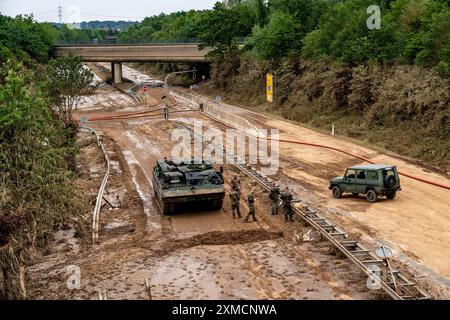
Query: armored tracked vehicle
{"points": [[179, 182]]}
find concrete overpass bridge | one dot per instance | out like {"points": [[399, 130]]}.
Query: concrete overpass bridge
{"points": [[118, 53]]}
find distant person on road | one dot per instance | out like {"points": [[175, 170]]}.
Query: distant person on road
{"points": [[286, 197], [251, 207], [274, 196], [166, 112], [235, 206]]}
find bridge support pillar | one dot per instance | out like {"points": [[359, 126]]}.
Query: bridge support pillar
{"points": [[116, 72]]}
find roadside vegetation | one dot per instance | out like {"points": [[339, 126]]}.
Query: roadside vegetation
{"points": [[37, 147]]}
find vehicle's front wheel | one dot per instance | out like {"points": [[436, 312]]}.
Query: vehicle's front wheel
{"points": [[391, 195], [372, 196], [337, 192]]}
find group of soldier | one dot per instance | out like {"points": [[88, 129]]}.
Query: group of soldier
{"points": [[277, 199]]}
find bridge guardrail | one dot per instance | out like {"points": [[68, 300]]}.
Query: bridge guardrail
{"points": [[134, 41]]}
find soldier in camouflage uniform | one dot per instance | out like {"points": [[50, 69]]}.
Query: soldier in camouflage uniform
{"points": [[286, 197], [274, 197], [235, 207], [251, 207], [236, 184]]}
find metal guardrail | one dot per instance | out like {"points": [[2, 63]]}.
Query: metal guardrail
{"points": [[175, 73], [134, 95], [391, 281], [213, 108], [98, 202], [127, 42]]}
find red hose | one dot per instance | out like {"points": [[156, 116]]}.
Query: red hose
{"points": [[434, 183], [367, 160], [150, 113], [134, 116], [123, 115]]}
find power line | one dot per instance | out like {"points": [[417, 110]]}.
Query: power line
{"points": [[60, 12], [44, 12], [110, 16], [41, 16]]}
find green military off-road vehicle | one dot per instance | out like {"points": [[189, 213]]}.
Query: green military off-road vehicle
{"points": [[178, 183], [373, 180]]}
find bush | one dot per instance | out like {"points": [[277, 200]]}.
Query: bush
{"points": [[277, 39], [37, 193], [23, 35]]}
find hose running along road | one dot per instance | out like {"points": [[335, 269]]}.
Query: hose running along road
{"points": [[151, 113], [316, 145]]}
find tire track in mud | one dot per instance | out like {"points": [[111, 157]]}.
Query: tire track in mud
{"points": [[132, 148]]}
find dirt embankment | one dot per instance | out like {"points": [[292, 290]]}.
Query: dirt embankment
{"points": [[399, 108]]}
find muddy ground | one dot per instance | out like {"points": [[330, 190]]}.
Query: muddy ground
{"points": [[414, 225], [191, 255], [200, 254]]}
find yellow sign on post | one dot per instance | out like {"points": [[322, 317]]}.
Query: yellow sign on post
{"points": [[269, 87]]}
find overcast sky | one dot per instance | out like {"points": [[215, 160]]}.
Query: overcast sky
{"points": [[87, 10]]}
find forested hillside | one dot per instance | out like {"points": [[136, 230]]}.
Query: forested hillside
{"points": [[387, 86], [411, 31]]}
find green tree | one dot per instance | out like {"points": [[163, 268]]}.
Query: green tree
{"points": [[66, 34], [36, 190], [67, 82], [426, 34], [221, 26], [24, 37], [305, 12], [179, 25], [147, 30], [343, 34], [262, 12], [277, 39]]}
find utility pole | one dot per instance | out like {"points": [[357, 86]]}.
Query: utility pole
{"points": [[60, 12]]}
